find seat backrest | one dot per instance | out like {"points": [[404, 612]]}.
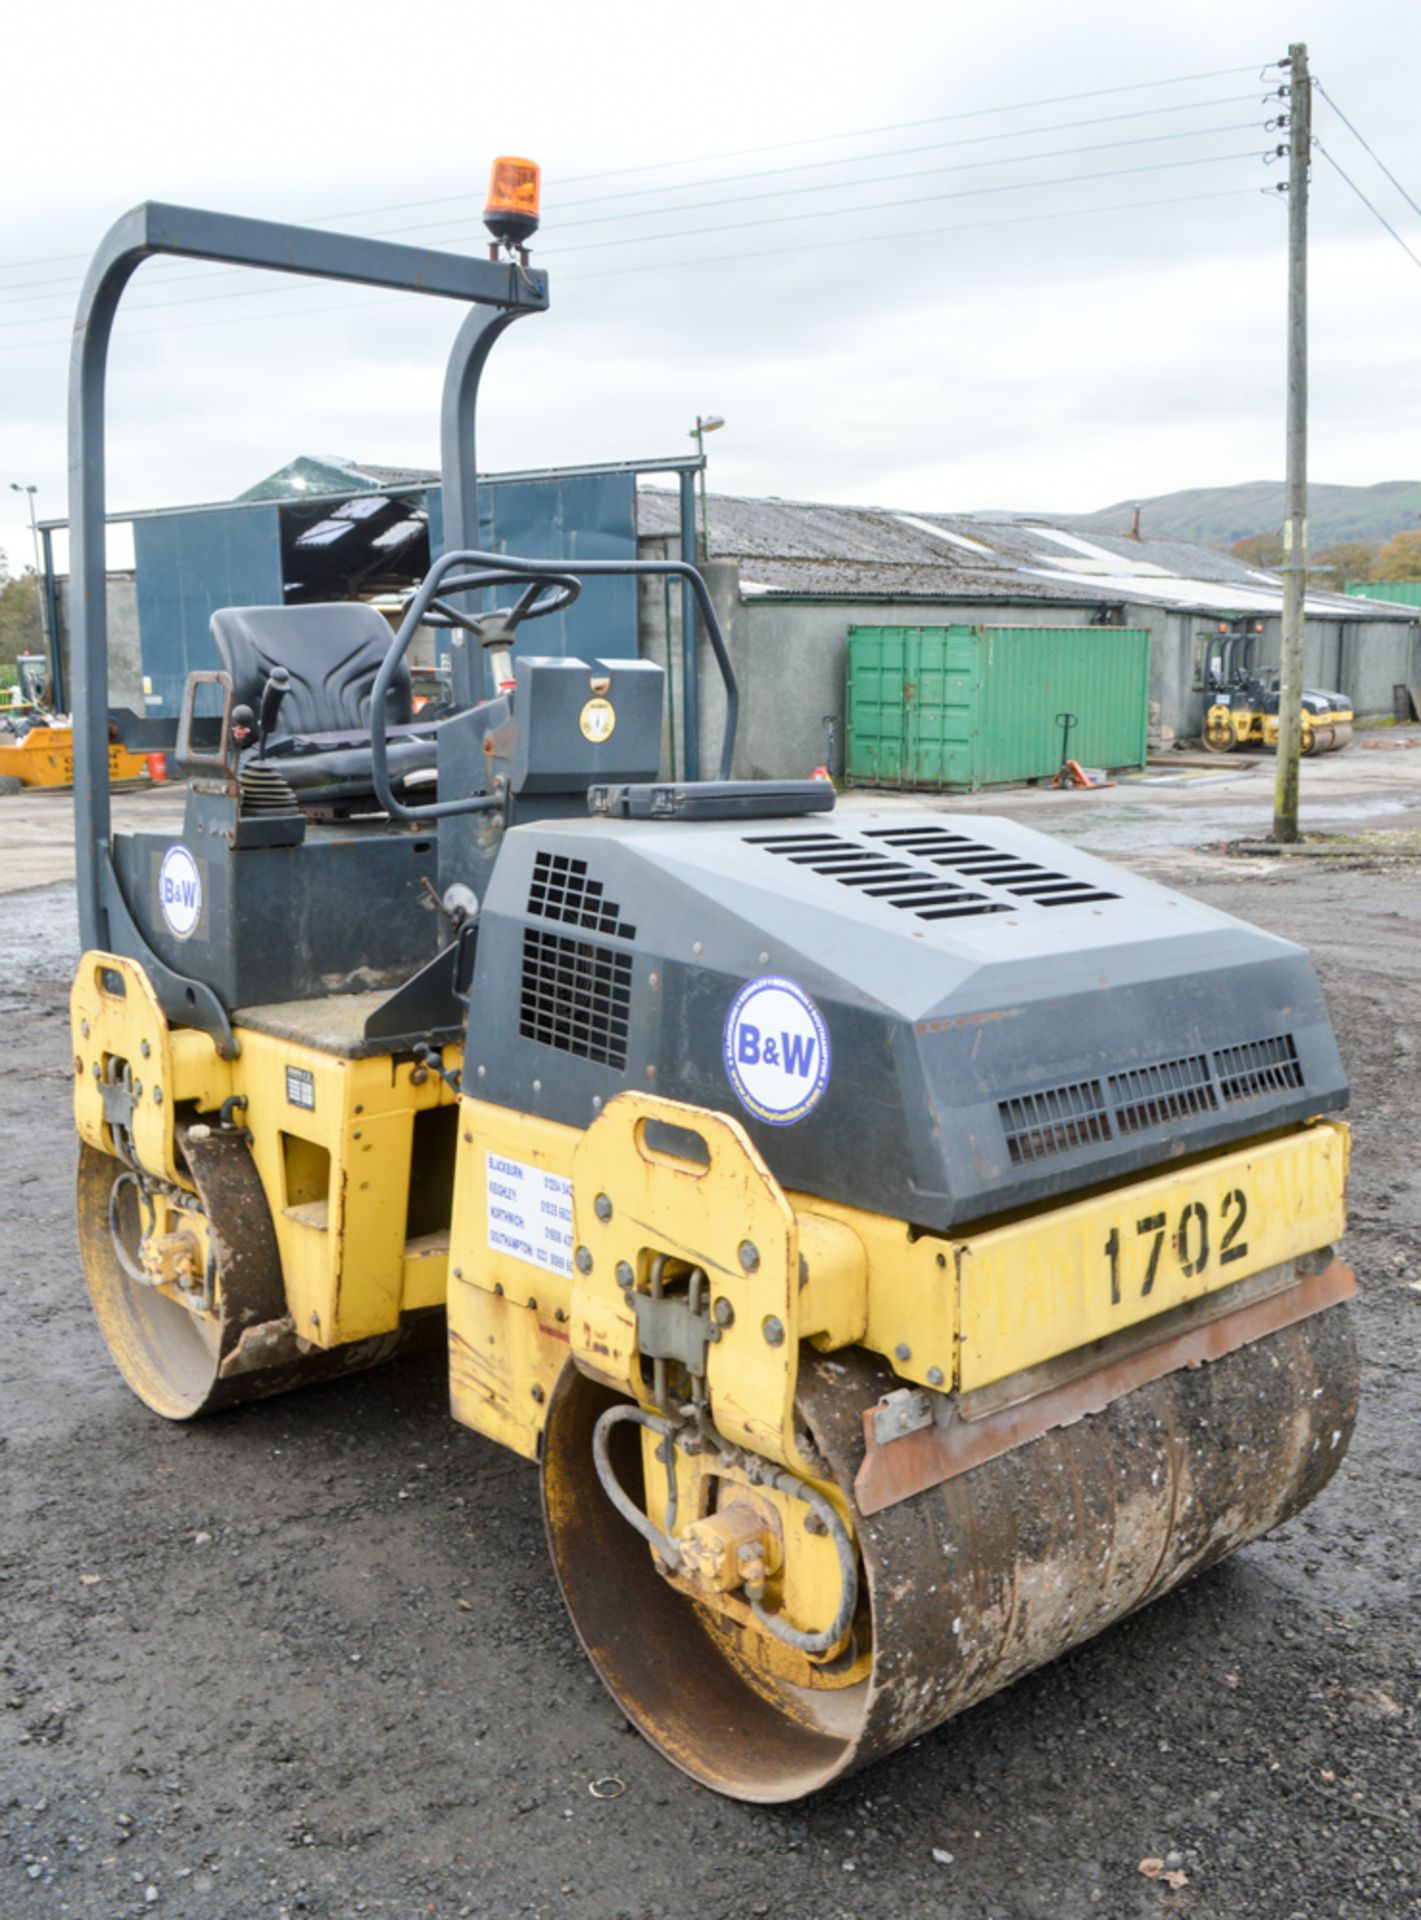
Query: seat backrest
{"points": [[332, 653]]}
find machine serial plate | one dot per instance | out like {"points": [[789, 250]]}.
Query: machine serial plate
{"points": [[1059, 1280]]}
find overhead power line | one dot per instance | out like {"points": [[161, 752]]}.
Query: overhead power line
{"points": [[1360, 137], [18, 293], [1376, 214], [912, 233], [675, 266], [898, 153], [16, 299], [732, 226], [739, 153], [934, 120], [921, 173], [916, 200]]}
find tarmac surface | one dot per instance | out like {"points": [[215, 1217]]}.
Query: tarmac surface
{"points": [[309, 1658]]}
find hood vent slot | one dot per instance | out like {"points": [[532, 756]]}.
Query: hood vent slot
{"points": [[1153, 1096], [1021, 878], [1257, 1068], [1058, 1120], [907, 870], [907, 885]]}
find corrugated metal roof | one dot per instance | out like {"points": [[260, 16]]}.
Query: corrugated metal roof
{"points": [[333, 473], [807, 549]]}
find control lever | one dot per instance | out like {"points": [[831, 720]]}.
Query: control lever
{"points": [[495, 631], [432, 1061], [277, 687]]}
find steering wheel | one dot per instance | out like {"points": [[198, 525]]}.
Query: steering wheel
{"points": [[544, 593]]}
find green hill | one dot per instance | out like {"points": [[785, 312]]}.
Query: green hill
{"points": [[1220, 515]]}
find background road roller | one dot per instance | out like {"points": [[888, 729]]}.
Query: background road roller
{"points": [[1243, 699], [904, 1244]]}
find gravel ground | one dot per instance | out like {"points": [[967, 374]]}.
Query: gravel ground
{"points": [[309, 1659]]}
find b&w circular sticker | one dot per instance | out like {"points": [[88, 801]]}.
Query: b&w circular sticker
{"points": [[776, 1051], [180, 892]]}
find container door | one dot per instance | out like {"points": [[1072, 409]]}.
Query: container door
{"points": [[939, 708], [874, 724]]}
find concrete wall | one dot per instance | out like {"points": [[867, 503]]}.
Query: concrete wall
{"points": [[790, 659], [1363, 659], [796, 656]]}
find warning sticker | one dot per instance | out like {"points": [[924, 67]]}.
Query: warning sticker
{"points": [[529, 1214]]}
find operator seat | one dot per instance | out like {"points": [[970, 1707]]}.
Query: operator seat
{"points": [[319, 740]]}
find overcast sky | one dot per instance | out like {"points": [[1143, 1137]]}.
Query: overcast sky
{"points": [[920, 322]]}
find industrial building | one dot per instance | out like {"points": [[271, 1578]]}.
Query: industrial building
{"points": [[789, 579], [326, 529]]}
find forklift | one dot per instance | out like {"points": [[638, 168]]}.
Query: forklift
{"points": [[902, 1244], [1243, 699]]}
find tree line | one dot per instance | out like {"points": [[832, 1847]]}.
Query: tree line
{"points": [[1362, 560], [21, 619]]}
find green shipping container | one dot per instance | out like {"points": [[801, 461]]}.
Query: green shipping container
{"points": [[1401, 593], [969, 707]]}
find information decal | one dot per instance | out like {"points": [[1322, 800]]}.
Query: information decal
{"points": [[776, 1051], [301, 1088], [529, 1214]]}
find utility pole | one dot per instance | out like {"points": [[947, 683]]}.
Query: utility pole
{"points": [[29, 492], [705, 423], [1295, 523]]}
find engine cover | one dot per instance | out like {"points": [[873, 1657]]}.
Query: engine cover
{"points": [[931, 1016]]}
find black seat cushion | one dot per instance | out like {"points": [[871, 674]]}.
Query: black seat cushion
{"points": [[332, 652]]}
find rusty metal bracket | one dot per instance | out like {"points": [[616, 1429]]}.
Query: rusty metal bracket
{"points": [[116, 1093], [914, 1459], [906, 1410], [667, 1329]]}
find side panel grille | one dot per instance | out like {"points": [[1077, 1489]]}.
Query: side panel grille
{"points": [[561, 890], [1151, 1096], [1257, 1068], [1040, 1124], [1059, 1119], [575, 996]]}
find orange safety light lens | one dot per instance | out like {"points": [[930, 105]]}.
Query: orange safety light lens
{"points": [[513, 192]]}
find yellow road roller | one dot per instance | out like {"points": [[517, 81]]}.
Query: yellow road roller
{"points": [[903, 1244], [1242, 699]]}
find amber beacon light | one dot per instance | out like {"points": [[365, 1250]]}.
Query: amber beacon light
{"points": [[512, 211]]}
